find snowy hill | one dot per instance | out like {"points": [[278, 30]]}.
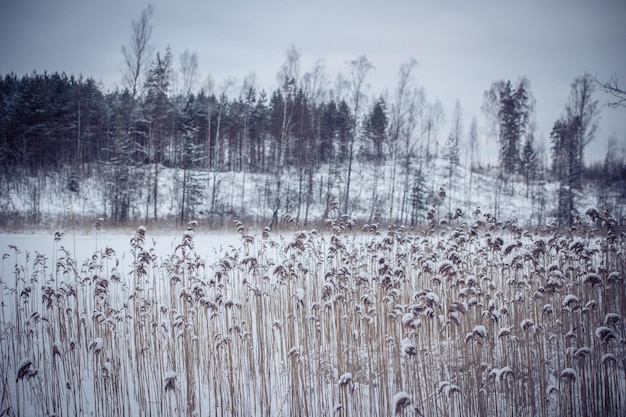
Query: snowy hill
{"points": [[400, 199]]}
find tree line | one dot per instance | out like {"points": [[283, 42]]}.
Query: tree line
{"points": [[54, 121]]}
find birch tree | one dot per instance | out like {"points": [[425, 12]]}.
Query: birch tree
{"points": [[613, 89], [287, 78], [452, 152], [188, 71], [582, 107], [137, 53], [402, 126], [315, 86], [359, 69], [470, 155]]}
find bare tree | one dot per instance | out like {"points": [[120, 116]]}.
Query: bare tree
{"points": [[315, 87], [209, 89], [248, 97], [402, 123], [217, 147], [411, 136], [339, 87], [359, 68], [287, 77], [471, 153], [582, 107], [137, 53], [434, 120], [189, 71], [452, 152], [315, 83]]}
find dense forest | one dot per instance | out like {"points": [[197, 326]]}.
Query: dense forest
{"points": [[308, 131]]}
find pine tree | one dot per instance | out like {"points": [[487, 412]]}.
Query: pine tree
{"points": [[121, 188], [193, 183], [528, 161], [158, 107], [418, 192], [508, 109], [376, 131], [565, 136]]}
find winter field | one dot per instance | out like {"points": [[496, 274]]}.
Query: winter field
{"points": [[470, 317]]}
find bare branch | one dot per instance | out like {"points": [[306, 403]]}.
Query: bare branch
{"points": [[612, 88], [137, 54], [189, 71]]}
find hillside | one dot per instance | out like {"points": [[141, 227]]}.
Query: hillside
{"points": [[46, 201]]}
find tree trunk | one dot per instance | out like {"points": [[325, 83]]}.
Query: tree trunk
{"points": [[348, 176], [156, 180], [182, 206]]}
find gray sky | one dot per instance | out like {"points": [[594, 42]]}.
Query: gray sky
{"points": [[462, 47]]}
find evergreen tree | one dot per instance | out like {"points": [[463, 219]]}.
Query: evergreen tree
{"points": [[376, 131], [259, 125], [528, 161], [328, 133], [119, 166], [158, 107], [418, 192], [343, 131], [89, 111], [508, 109], [565, 136], [193, 183]]}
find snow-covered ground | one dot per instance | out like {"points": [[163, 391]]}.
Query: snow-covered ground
{"points": [[83, 245], [249, 196]]}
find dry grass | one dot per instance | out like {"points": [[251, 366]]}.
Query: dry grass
{"points": [[462, 320]]}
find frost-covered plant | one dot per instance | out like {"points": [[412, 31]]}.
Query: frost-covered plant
{"points": [[452, 320]]}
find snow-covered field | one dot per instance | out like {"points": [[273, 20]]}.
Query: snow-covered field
{"points": [[460, 320]]}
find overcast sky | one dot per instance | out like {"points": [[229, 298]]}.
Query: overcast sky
{"points": [[462, 47]]}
